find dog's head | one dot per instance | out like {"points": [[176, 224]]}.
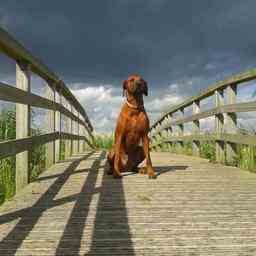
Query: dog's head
{"points": [[135, 85]]}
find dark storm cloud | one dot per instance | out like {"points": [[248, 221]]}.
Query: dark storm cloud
{"points": [[191, 43]]}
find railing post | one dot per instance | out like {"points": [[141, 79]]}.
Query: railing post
{"points": [[219, 125], [68, 147], [196, 129], [23, 123], [57, 128], [158, 136], [84, 134], [80, 142], [231, 123], [181, 132], [169, 131], [77, 132], [74, 132], [50, 128]]}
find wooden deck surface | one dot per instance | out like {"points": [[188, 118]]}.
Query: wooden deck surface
{"points": [[192, 208]]}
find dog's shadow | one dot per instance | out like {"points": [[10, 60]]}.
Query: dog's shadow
{"points": [[162, 169], [171, 168]]}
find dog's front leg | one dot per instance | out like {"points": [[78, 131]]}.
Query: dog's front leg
{"points": [[117, 160], [151, 172]]}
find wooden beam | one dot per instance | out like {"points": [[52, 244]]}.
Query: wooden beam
{"points": [[233, 138], [196, 129], [12, 94], [231, 124], [181, 132], [219, 127], [229, 108], [12, 147], [23, 125], [57, 128], [50, 128], [68, 150], [74, 131], [81, 132]]}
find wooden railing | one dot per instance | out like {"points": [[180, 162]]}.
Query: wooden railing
{"points": [[58, 101], [225, 135]]}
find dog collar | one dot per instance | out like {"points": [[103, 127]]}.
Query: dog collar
{"points": [[131, 105]]}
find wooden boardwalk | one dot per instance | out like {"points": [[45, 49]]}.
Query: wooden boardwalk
{"points": [[74, 208]]}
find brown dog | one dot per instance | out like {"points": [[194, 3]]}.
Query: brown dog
{"points": [[132, 129]]}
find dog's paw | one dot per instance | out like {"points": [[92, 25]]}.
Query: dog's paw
{"points": [[152, 175], [143, 170], [117, 176], [109, 172]]}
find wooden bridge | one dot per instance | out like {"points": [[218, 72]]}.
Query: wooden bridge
{"points": [[194, 207]]}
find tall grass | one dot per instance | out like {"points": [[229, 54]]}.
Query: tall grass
{"points": [[104, 141], [246, 154], [7, 165]]}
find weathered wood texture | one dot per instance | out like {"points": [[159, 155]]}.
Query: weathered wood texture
{"points": [[224, 111], [219, 127], [57, 93], [50, 128], [23, 120], [16, 51], [12, 147], [74, 208], [238, 79]]}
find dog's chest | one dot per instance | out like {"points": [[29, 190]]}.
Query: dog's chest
{"points": [[137, 124]]}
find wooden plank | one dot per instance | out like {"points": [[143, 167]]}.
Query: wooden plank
{"points": [[231, 124], [23, 124], [50, 128], [196, 129], [193, 208]]}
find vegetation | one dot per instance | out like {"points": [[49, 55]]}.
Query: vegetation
{"points": [[246, 155], [104, 141], [7, 165]]}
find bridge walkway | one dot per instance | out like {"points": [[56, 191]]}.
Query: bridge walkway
{"points": [[193, 208]]}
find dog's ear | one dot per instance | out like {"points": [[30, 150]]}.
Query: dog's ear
{"points": [[124, 86], [145, 88]]}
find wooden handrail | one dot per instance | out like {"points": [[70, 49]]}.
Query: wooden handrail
{"points": [[231, 108], [17, 51], [225, 132], [236, 79], [13, 147], [16, 95], [77, 122]]}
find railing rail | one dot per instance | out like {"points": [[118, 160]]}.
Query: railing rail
{"points": [[225, 115], [78, 126]]}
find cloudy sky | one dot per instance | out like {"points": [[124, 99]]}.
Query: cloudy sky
{"points": [[178, 46]]}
